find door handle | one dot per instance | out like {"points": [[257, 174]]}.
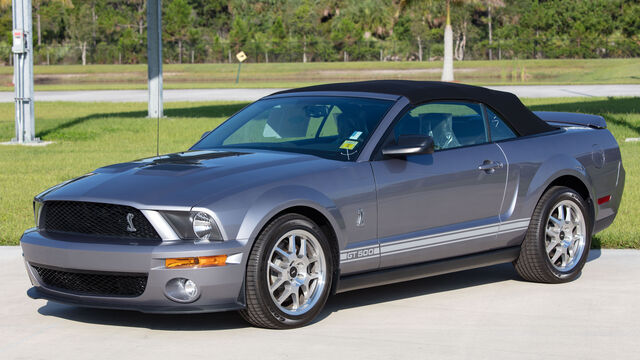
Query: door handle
{"points": [[490, 167]]}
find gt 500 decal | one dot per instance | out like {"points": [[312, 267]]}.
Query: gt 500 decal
{"points": [[361, 253], [357, 254], [419, 243]]}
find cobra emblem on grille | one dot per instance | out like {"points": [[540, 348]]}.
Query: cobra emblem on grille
{"points": [[130, 227]]}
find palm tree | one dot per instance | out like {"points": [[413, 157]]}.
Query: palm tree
{"points": [[447, 69], [36, 7], [490, 5], [373, 16]]}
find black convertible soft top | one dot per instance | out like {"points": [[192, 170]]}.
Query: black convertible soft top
{"points": [[505, 104]]}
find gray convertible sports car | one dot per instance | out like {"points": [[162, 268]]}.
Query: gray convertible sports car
{"points": [[326, 189]]}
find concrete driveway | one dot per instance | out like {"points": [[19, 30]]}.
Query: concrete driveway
{"points": [[480, 314], [523, 91]]}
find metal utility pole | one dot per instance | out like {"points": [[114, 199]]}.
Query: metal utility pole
{"points": [[23, 72], [154, 55]]}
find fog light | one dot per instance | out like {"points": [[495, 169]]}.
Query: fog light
{"points": [[190, 289], [182, 290]]}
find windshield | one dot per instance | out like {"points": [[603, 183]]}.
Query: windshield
{"points": [[330, 127]]}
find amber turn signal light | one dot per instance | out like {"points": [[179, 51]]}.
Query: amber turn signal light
{"points": [[196, 262]]}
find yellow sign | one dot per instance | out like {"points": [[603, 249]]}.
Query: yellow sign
{"points": [[241, 56], [348, 144]]}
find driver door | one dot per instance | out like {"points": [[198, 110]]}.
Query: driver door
{"points": [[440, 205]]}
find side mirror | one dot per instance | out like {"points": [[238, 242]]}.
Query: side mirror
{"points": [[410, 145], [205, 134]]}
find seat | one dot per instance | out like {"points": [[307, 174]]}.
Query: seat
{"points": [[440, 127], [286, 123]]}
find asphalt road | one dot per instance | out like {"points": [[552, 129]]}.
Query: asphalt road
{"points": [[525, 91], [478, 314]]}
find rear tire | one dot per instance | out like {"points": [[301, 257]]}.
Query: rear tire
{"points": [[289, 274], [557, 242]]}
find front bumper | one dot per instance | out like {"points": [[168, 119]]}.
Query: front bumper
{"points": [[221, 288]]}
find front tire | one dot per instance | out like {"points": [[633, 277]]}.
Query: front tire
{"points": [[557, 242], [289, 274]]}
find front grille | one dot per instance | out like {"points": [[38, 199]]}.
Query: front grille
{"points": [[92, 283], [96, 219]]}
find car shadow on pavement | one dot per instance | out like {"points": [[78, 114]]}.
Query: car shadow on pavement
{"points": [[426, 286], [420, 287], [169, 322], [594, 254], [352, 299]]}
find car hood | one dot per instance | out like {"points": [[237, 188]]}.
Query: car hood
{"points": [[184, 179]]}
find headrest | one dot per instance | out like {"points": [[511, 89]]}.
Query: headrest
{"points": [[436, 118], [288, 123]]}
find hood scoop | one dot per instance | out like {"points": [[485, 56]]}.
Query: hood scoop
{"points": [[180, 164], [116, 168], [170, 168], [188, 157], [171, 164]]}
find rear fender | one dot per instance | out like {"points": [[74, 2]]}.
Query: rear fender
{"points": [[552, 169]]}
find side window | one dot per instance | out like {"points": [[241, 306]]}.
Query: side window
{"points": [[450, 124], [499, 129]]}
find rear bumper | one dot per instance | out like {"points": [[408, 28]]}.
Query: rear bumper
{"points": [[221, 288], [607, 212]]}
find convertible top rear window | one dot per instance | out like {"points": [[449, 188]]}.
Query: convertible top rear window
{"points": [[326, 126]]}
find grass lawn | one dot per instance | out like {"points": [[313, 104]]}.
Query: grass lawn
{"points": [[90, 135], [285, 75]]}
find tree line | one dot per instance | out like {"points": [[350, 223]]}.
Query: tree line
{"points": [[199, 31]]}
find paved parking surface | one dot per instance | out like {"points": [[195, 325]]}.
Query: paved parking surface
{"points": [[524, 91], [478, 314]]}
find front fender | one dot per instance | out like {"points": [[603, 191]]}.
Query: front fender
{"points": [[278, 199]]}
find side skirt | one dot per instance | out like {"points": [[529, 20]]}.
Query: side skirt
{"points": [[422, 270]]}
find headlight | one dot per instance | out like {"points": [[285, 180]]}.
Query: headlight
{"points": [[37, 209], [203, 225], [194, 225]]}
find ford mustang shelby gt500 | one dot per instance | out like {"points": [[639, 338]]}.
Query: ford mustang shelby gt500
{"points": [[330, 188]]}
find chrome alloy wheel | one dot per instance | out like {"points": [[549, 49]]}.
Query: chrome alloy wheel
{"points": [[296, 273], [565, 235]]}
